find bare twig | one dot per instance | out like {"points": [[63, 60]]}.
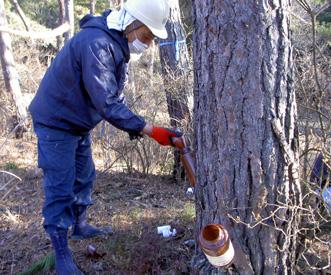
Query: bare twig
{"points": [[21, 14], [316, 268], [304, 5], [319, 9], [7, 183], [11, 174], [313, 14], [308, 150], [13, 131], [314, 110], [10, 181], [110, 166]]}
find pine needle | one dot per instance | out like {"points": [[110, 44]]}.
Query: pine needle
{"points": [[46, 263]]}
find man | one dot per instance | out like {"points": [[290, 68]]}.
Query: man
{"points": [[82, 86]]}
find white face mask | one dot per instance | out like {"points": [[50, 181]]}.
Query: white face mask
{"points": [[136, 46]]}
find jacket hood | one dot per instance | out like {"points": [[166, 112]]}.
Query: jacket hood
{"points": [[100, 22]]}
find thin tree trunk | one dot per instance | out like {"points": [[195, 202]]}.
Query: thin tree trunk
{"points": [[151, 62], [92, 6], [10, 74], [186, 12], [21, 14], [175, 66], [69, 17], [246, 133], [59, 39]]}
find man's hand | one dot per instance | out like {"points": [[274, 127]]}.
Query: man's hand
{"points": [[162, 135]]}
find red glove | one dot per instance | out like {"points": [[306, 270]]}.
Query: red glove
{"points": [[163, 135]]}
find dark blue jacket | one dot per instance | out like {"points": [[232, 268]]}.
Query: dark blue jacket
{"points": [[84, 83]]}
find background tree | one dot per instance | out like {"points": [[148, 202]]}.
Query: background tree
{"points": [[62, 20], [92, 6], [313, 89], [69, 17], [21, 14], [246, 134], [186, 12], [175, 69], [10, 74]]}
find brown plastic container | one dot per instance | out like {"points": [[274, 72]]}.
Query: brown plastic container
{"points": [[215, 243], [186, 158]]}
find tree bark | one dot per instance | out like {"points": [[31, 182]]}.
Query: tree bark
{"points": [[10, 74], [69, 17], [175, 67], [92, 6], [21, 14], [186, 12], [66, 10], [59, 39], [246, 133]]}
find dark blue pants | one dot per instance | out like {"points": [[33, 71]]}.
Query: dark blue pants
{"points": [[69, 173], [320, 173]]}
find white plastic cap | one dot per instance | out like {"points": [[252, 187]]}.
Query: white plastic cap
{"points": [[190, 191], [160, 229], [166, 233]]}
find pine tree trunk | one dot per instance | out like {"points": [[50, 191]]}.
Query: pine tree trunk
{"points": [[175, 66], [10, 74], [246, 133]]}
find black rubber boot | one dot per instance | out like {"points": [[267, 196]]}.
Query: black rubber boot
{"points": [[64, 263], [83, 230]]}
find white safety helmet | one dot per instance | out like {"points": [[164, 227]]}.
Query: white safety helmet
{"points": [[152, 13]]}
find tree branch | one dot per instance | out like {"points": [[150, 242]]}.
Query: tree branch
{"points": [[38, 35], [21, 14], [318, 10]]}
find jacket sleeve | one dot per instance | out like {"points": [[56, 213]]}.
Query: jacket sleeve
{"points": [[99, 77]]}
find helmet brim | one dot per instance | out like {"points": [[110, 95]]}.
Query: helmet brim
{"points": [[163, 34]]}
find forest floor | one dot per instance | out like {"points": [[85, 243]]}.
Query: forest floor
{"points": [[135, 205]]}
